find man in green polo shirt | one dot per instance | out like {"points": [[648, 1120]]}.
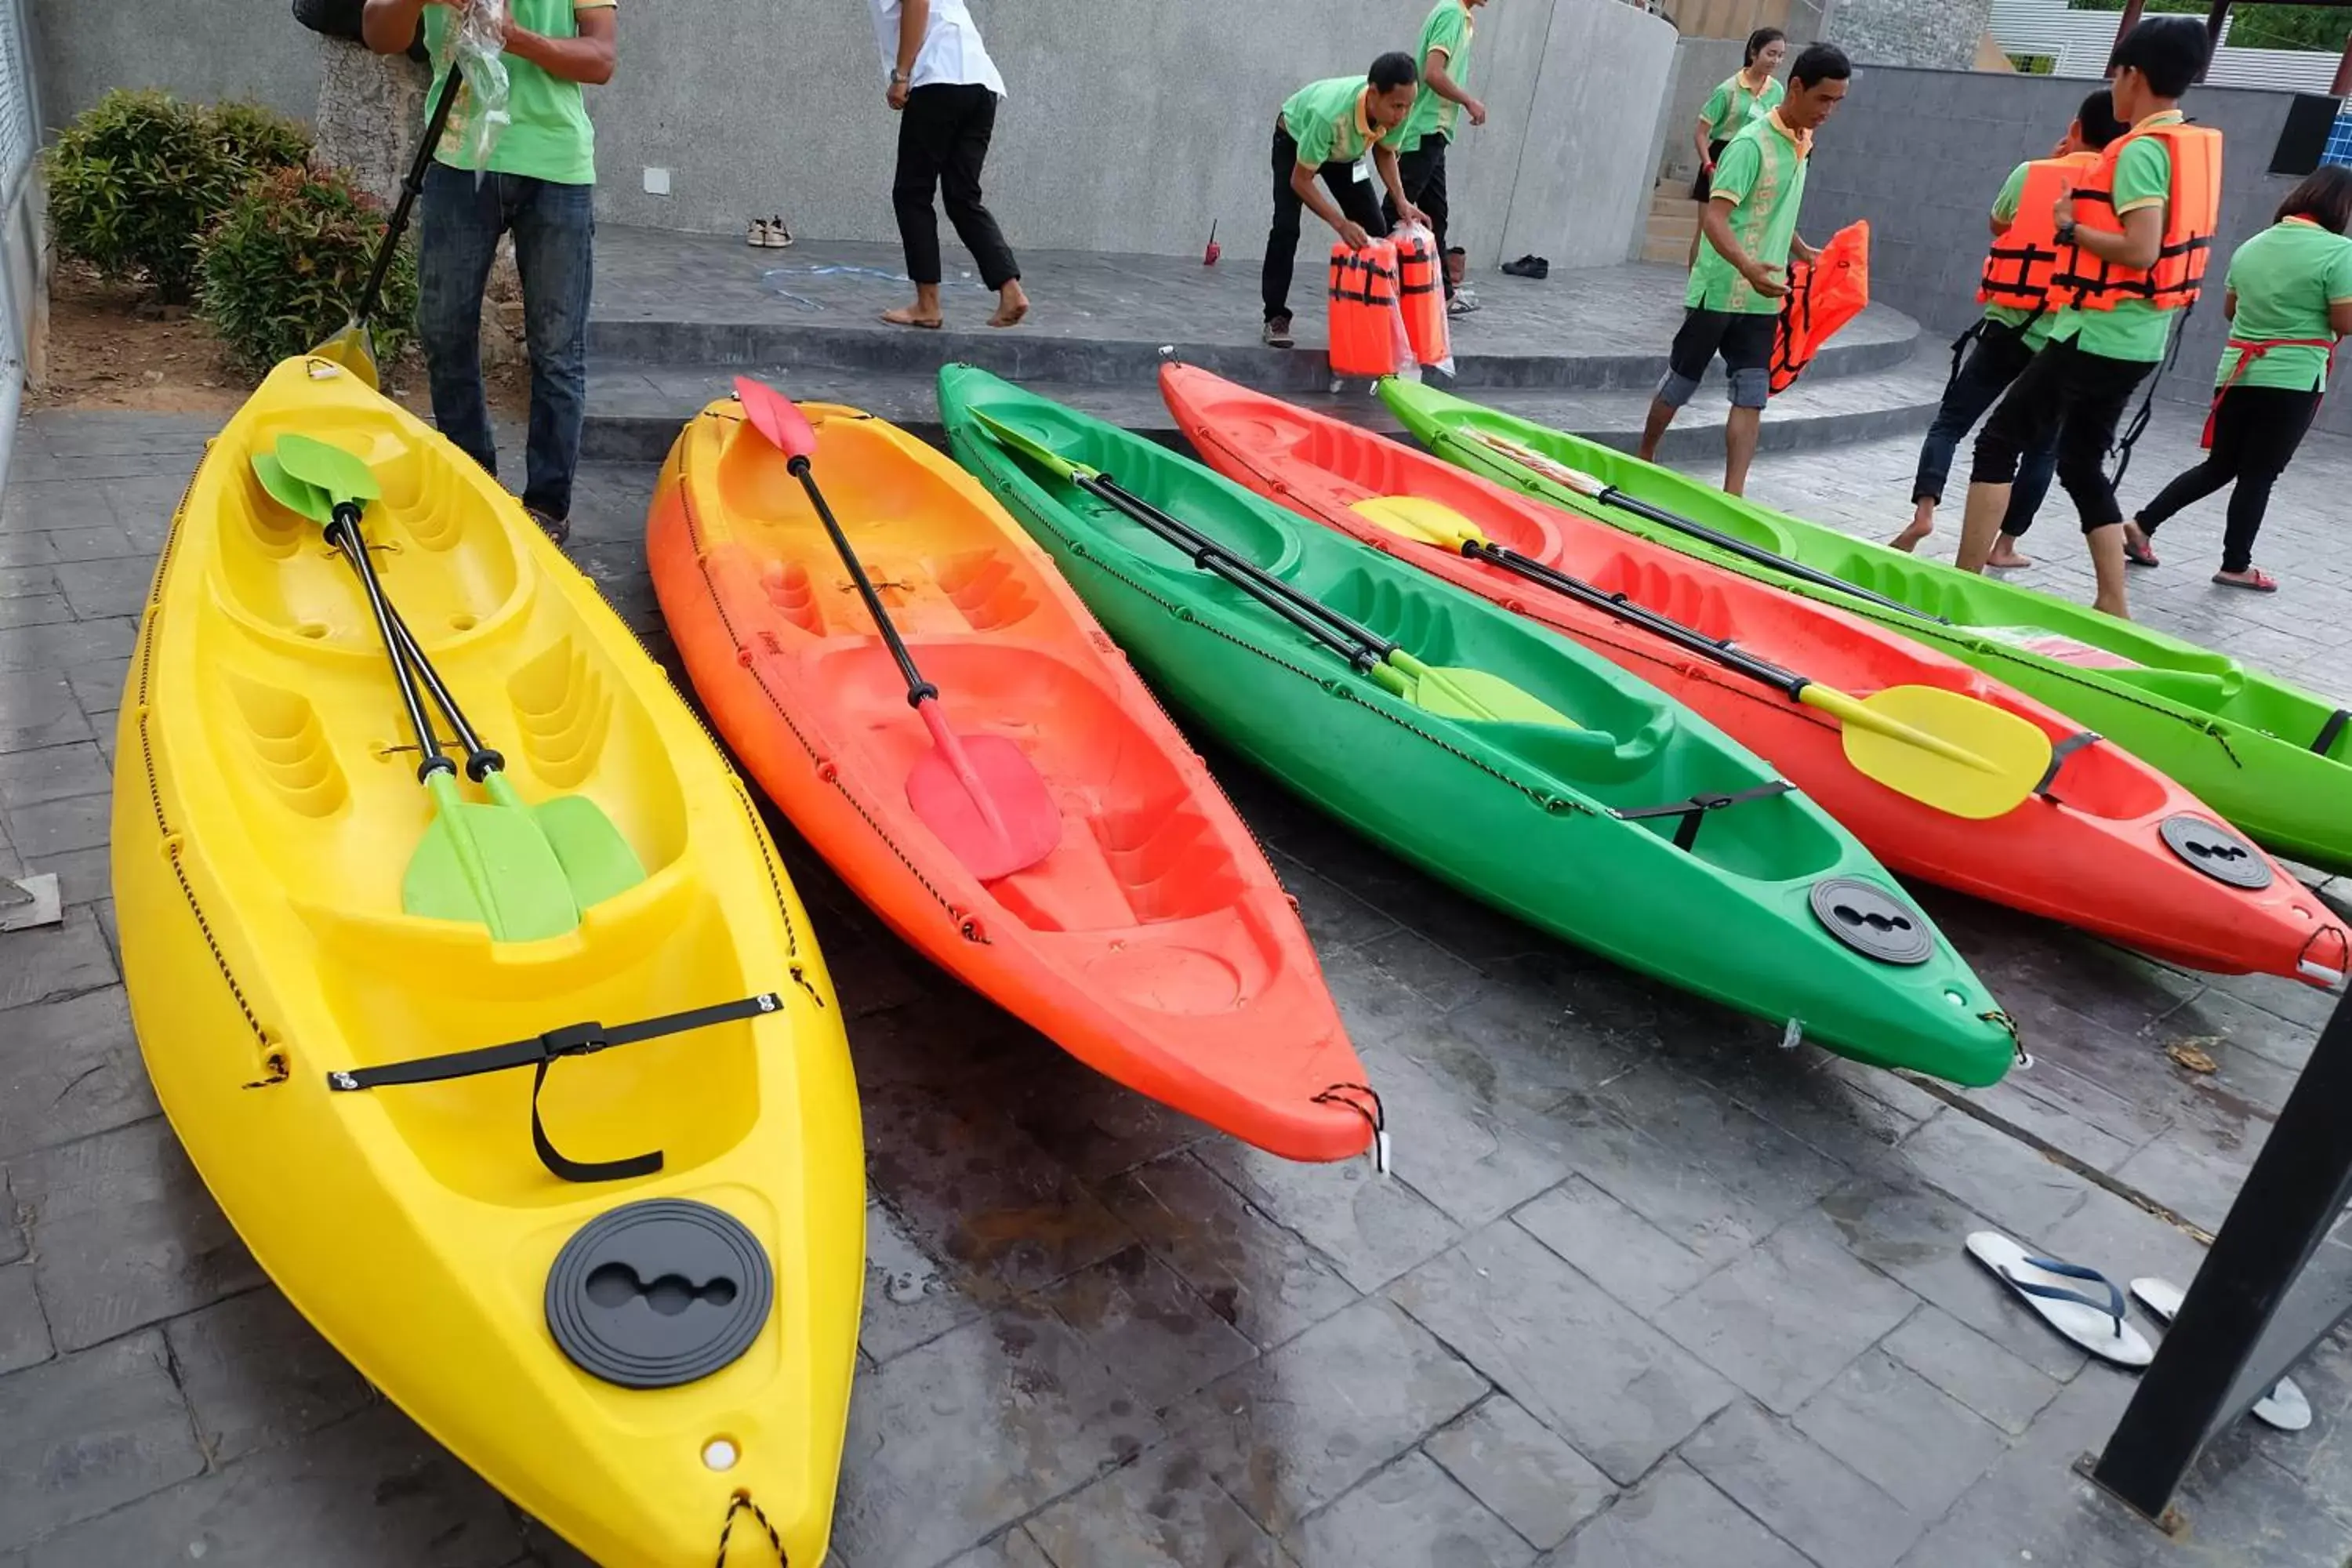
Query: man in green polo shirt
{"points": [[2077, 386], [539, 186], [1437, 108], [1323, 133], [1733, 304]]}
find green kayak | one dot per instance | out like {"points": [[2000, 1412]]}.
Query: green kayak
{"points": [[1605, 813], [2275, 760]]}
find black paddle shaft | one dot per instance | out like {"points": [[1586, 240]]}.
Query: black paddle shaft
{"points": [[918, 690], [410, 189], [1787, 682], [1209, 555], [344, 532], [1612, 496], [481, 761]]}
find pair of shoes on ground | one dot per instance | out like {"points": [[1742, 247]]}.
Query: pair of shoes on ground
{"points": [[1528, 267], [768, 234], [2088, 1308]]}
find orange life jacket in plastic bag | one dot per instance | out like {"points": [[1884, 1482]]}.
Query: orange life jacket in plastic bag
{"points": [[1824, 295], [2192, 210], [2023, 262], [1422, 289], [1364, 311]]}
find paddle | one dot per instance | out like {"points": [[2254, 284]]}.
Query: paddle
{"points": [[1452, 692], [1585, 484], [493, 864], [1943, 748], [353, 348], [980, 793]]}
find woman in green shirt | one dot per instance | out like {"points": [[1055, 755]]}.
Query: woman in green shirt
{"points": [[2289, 299], [1737, 99]]}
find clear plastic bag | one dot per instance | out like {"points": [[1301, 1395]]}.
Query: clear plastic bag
{"points": [[1422, 313], [479, 51]]}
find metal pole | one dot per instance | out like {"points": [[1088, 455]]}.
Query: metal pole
{"points": [[2132, 9], [2215, 19]]}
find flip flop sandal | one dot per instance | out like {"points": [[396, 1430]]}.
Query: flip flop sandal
{"points": [[2096, 1323], [2258, 583], [2284, 1406], [2140, 554]]}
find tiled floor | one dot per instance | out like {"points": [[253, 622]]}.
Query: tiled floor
{"points": [[1644, 1291]]}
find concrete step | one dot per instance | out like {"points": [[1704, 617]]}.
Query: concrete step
{"points": [[665, 300], [634, 412]]}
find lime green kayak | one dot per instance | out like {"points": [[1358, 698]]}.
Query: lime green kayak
{"points": [[1621, 821], [2275, 760]]}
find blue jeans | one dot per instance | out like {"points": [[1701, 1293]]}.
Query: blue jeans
{"points": [[1998, 358], [554, 231]]}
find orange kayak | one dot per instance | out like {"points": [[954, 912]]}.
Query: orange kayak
{"points": [[2107, 843], [1153, 943]]}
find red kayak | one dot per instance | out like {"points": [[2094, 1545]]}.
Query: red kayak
{"points": [[2107, 842]]}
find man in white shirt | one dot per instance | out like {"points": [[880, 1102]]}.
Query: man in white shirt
{"points": [[946, 88]]}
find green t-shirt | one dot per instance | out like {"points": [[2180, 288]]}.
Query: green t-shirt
{"points": [[1326, 120], [550, 137], [1731, 106], [2285, 278], [1762, 176], [2134, 330], [1449, 28]]}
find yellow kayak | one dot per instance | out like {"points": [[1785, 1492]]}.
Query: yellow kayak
{"points": [[591, 1207]]}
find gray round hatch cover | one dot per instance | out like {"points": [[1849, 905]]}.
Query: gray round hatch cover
{"points": [[653, 1294], [1873, 922], [2216, 851]]}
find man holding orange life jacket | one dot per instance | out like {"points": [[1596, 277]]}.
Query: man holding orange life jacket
{"points": [[1322, 132], [2133, 244], [2015, 292]]}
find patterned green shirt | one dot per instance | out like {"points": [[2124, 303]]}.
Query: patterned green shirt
{"points": [[1448, 31], [1761, 176], [1731, 107], [1327, 119]]}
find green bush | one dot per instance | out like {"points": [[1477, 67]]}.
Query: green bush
{"points": [[284, 269], [139, 176]]}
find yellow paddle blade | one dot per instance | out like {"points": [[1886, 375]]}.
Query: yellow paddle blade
{"points": [[351, 349], [1471, 694], [1947, 750], [1421, 519]]}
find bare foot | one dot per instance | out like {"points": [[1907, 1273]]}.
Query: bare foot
{"points": [[2118, 607], [1011, 306], [912, 316], [2004, 553], [1914, 534]]}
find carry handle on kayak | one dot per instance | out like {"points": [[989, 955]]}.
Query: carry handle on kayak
{"points": [[1607, 494]]}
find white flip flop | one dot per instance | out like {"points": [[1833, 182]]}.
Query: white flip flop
{"points": [[2284, 1406], [2095, 1320]]}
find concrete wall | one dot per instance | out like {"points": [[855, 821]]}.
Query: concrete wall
{"points": [[1131, 124], [197, 48], [1920, 153], [1940, 33]]}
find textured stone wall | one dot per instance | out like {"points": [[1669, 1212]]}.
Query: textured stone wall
{"points": [[1930, 32]]}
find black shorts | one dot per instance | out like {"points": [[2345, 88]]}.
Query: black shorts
{"points": [[1743, 338], [1703, 187]]}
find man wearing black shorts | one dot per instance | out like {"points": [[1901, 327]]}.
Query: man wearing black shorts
{"points": [[1749, 227]]}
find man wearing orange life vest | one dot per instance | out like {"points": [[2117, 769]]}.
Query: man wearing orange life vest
{"points": [[2019, 315], [2133, 243]]}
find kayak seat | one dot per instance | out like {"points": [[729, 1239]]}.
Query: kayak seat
{"points": [[297, 756]]}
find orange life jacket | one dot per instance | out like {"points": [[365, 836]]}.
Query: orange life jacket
{"points": [[1422, 292], [1824, 295], [2192, 210], [2020, 266], [1365, 324]]}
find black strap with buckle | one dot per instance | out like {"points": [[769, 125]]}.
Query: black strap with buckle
{"points": [[1694, 811], [2331, 730], [540, 1052], [2059, 752]]}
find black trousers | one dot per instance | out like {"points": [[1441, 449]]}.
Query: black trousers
{"points": [[943, 136], [1355, 199], [1997, 357], [1423, 173], [2255, 432], [2077, 397]]}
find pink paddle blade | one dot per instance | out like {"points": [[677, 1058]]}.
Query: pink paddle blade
{"points": [[994, 812], [777, 418]]}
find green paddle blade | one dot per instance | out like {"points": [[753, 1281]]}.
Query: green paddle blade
{"points": [[297, 496], [1473, 695], [597, 860], [344, 475], [1029, 446], [490, 864]]}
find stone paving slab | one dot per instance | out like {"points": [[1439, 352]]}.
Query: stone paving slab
{"points": [[1644, 1289]]}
